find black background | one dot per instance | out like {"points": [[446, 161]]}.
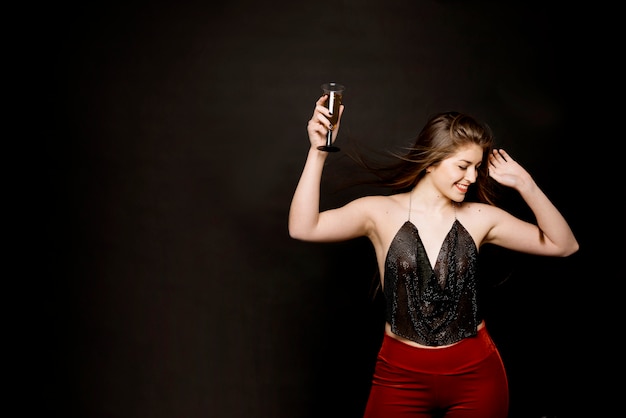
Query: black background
{"points": [[170, 137]]}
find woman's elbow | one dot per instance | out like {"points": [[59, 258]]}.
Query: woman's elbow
{"points": [[294, 235], [571, 249], [297, 233]]}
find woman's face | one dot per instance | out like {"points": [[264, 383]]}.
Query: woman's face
{"points": [[453, 176]]}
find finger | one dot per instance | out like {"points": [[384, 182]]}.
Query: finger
{"points": [[318, 121], [500, 154], [320, 105], [320, 118], [323, 110], [505, 155], [495, 158], [322, 128]]}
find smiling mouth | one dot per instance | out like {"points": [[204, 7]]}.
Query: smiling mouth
{"points": [[462, 187]]}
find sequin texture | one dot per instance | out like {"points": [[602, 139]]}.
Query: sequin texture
{"points": [[432, 306]]}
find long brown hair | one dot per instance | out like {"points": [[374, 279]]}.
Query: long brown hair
{"points": [[442, 135]]}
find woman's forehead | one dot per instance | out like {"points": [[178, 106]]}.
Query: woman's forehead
{"points": [[472, 153]]}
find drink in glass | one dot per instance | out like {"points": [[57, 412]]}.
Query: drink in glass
{"points": [[335, 97]]}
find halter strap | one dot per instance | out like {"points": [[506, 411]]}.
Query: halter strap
{"points": [[410, 201]]}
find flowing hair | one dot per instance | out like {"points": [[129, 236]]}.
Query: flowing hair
{"points": [[441, 137]]}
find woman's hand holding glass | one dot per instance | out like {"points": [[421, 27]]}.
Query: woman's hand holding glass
{"points": [[320, 127]]}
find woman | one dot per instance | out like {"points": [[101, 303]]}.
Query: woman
{"points": [[437, 357]]}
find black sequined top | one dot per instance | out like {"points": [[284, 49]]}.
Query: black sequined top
{"points": [[437, 306]]}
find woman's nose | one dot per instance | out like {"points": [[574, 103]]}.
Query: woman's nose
{"points": [[471, 174]]}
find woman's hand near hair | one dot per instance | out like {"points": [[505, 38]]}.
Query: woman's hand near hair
{"points": [[506, 171]]}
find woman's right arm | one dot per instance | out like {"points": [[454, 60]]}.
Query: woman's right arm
{"points": [[305, 220]]}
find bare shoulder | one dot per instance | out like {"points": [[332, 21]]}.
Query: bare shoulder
{"points": [[386, 214], [477, 209], [386, 211], [478, 218], [379, 202]]}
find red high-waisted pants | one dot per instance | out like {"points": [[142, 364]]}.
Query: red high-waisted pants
{"points": [[465, 380]]}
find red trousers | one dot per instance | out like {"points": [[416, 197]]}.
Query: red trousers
{"points": [[466, 380]]}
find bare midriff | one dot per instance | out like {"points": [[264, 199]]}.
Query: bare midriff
{"points": [[414, 344]]}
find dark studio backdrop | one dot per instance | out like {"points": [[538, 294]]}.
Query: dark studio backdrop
{"points": [[173, 137]]}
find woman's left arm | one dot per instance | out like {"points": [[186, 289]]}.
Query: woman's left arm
{"points": [[551, 236]]}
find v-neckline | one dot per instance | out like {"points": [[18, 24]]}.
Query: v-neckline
{"points": [[433, 265]]}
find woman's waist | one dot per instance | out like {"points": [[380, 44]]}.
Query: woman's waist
{"points": [[391, 334], [451, 359]]}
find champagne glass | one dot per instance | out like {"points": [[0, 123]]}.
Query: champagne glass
{"points": [[335, 96]]}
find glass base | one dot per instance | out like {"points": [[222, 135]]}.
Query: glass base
{"points": [[328, 148]]}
